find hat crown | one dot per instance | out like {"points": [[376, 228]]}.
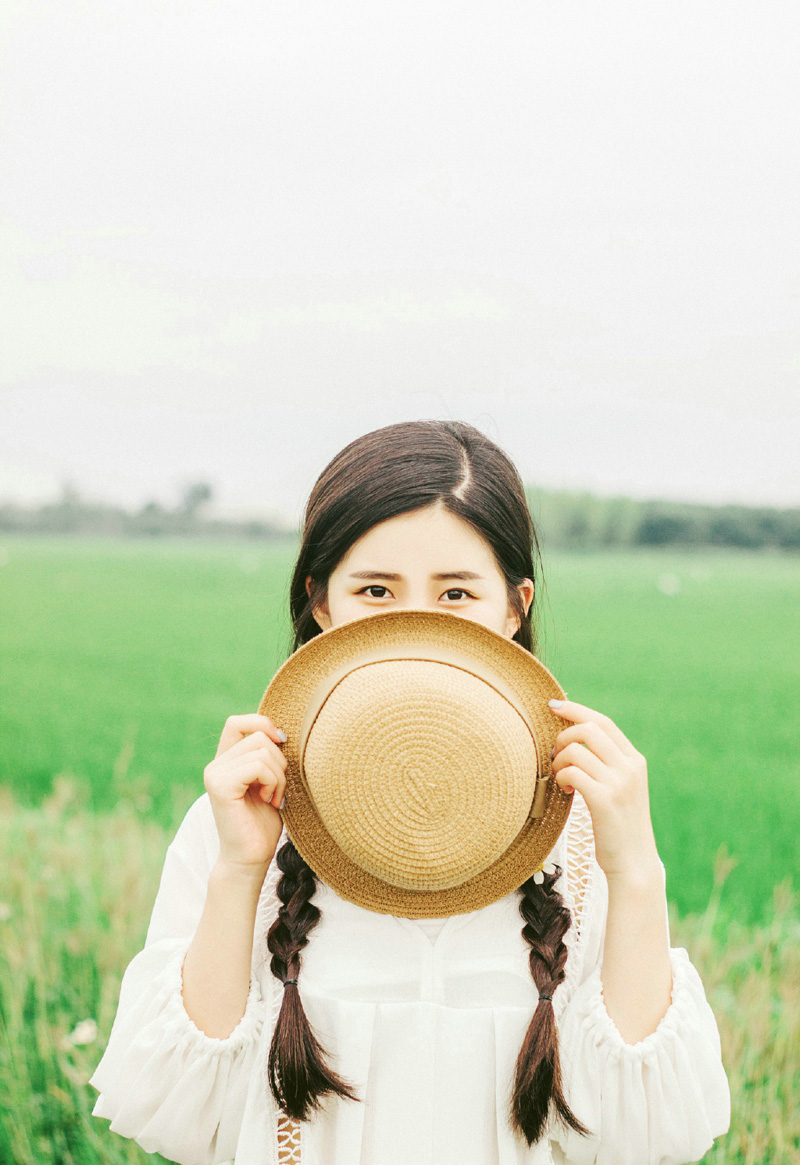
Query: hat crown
{"points": [[422, 773]]}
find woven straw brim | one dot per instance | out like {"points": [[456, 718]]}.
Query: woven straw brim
{"points": [[288, 697]]}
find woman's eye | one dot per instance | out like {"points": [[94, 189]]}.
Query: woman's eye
{"points": [[457, 591]]}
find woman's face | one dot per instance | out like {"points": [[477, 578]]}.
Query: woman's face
{"points": [[425, 559]]}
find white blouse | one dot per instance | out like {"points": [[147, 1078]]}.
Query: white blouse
{"points": [[425, 1018]]}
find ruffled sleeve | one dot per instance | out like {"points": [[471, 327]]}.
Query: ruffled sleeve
{"points": [[660, 1101], [162, 1081]]}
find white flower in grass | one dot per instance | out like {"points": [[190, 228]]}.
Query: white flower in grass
{"points": [[84, 1032], [668, 584]]}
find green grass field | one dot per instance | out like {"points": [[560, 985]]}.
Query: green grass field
{"points": [[121, 661]]}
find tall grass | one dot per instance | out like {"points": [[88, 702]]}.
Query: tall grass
{"points": [[751, 976], [76, 890]]}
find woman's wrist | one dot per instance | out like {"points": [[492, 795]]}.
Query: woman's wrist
{"points": [[240, 877], [641, 873]]}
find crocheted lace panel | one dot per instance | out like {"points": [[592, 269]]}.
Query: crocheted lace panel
{"points": [[580, 857], [288, 1145]]}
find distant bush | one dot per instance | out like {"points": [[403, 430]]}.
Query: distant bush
{"points": [[659, 529]]}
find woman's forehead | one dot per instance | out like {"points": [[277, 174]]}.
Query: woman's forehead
{"points": [[422, 535]]}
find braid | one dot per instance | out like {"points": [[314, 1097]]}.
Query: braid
{"points": [[537, 1080], [298, 1074]]}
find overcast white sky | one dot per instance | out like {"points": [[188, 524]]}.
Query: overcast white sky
{"points": [[233, 236]]}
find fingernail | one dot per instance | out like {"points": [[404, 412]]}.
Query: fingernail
{"points": [[555, 703], [282, 734], [283, 798]]}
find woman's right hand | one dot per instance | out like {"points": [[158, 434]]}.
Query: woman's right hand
{"points": [[245, 783]]}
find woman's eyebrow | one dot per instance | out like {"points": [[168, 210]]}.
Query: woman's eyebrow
{"points": [[464, 575]]}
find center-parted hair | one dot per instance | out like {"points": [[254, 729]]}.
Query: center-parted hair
{"points": [[390, 471]]}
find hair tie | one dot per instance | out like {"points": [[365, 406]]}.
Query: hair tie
{"points": [[286, 982], [546, 997]]}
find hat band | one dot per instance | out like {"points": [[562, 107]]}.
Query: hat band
{"points": [[432, 654]]}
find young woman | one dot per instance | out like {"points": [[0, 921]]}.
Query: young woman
{"points": [[269, 1019]]}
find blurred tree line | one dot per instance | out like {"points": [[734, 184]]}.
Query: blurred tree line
{"points": [[564, 520], [72, 514], [583, 520]]}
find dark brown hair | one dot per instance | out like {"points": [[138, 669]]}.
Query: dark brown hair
{"points": [[390, 471]]}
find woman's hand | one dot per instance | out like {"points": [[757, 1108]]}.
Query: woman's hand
{"points": [[612, 778], [245, 783]]}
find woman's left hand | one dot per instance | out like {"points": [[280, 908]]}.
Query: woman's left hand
{"points": [[611, 776]]}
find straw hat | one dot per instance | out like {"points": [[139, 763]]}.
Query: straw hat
{"points": [[419, 779]]}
